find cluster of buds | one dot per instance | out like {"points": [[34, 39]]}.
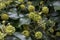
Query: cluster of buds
{"points": [[3, 3], [38, 35], [4, 16], [34, 16], [6, 30]]}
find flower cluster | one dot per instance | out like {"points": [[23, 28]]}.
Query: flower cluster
{"points": [[34, 16], [41, 21], [38, 35], [26, 33], [2, 5], [9, 29], [6, 30], [4, 16]]}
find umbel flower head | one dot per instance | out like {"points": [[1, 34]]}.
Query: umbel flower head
{"points": [[22, 6], [34, 16], [45, 10], [8, 2], [31, 8], [2, 5], [38, 35], [2, 35], [31, 15], [9, 29], [4, 17], [26, 33], [37, 17]]}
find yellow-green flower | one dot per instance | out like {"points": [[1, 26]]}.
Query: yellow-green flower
{"points": [[8, 2], [45, 9], [4, 17], [10, 29], [31, 15], [22, 6], [34, 16], [31, 8], [2, 35], [2, 5], [37, 17], [38, 35], [26, 33]]}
